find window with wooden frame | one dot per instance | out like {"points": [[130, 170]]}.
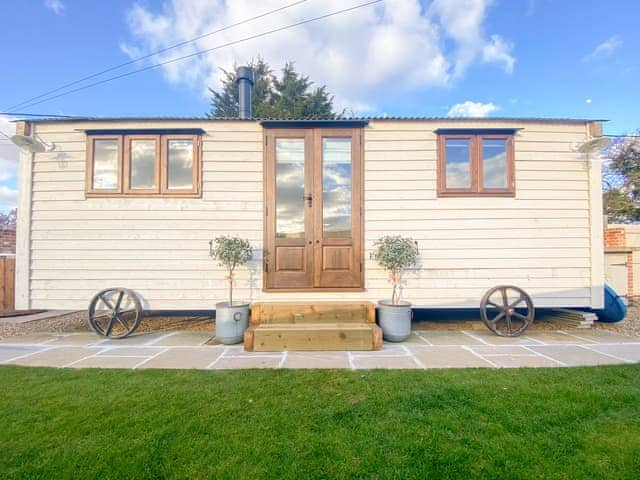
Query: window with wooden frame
{"points": [[476, 163], [143, 163]]}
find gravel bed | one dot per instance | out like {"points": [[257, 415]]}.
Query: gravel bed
{"points": [[630, 326], [77, 322]]}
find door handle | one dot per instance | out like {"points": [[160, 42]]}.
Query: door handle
{"points": [[308, 198]]}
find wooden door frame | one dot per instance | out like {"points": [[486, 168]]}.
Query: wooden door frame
{"points": [[357, 189], [269, 224]]}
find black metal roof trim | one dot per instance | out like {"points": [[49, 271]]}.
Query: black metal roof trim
{"points": [[350, 119], [480, 131], [346, 123], [146, 131]]}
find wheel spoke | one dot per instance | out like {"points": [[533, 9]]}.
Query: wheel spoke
{"points": [[495, 305], [118, 302], [505, 300], [109, 326], [497, 317], [524, 318], [509, 328], [106, 302], [123, 323], [520, 299]]}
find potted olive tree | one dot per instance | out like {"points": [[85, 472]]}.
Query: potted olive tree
{"points": [[395, 254], [232, 319]]}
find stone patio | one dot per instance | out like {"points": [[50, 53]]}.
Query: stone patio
{"points": [[425, 349]]}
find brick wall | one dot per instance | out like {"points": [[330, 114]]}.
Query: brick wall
{"points": [[615, 237], [7, 240]]}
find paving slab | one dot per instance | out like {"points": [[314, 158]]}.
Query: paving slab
{"points": [[384, 362], [428, 348], [9, 352], [392, 349], [500, 350], [56, 357], [448, 337], [574, 355], [555, 337], [77, 339], [316, 360], [490, 338], [415, 339], [226, 363], [185, 339], [448, 357], [627, 352], [184, 358], [31, 339], [107, 362], [517, 361], [603, 336], [143, 338], [143, 352]]}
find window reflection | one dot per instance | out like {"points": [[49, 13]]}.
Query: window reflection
{"points": [[336, 187], [290, 187], [105, 163], [458, 163], [143, 164], [180, 164], [494, 163]]}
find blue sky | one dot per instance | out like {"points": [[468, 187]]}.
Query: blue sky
{"points": [[511, 58]]}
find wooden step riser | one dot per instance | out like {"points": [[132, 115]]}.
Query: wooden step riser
{"points": [[308, 338], [304, 313]]}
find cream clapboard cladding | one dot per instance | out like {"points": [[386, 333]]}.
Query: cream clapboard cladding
{"points": [[546, 240]]}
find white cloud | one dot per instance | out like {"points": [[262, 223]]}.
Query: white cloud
{"points": [[394, 46], [604, 49], [498, 50], [588, 100], [8, 197], [56, 6], [8, 151], [472, 109], [462, 21]]}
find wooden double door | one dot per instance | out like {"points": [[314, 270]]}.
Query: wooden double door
{"points": [[313, 209]]}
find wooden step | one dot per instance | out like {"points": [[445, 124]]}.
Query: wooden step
{"points": [[319, 312], [278, 337]]}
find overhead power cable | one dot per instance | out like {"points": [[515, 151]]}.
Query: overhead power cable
{"points": [[201, 52], [49, 115], [157, 52]]}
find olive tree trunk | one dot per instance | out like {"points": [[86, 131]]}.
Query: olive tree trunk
{"points": [[395, 294]]}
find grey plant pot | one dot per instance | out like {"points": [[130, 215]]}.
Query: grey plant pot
{"points": [[394, 320], [231, 322]]}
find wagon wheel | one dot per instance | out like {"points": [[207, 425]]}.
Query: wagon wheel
{"points": [[115, 312], [507, 310]]}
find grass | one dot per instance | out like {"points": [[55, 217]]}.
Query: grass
{"points": [[527, 423]]}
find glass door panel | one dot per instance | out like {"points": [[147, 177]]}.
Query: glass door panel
{"points": [[290, 181], [336, 187]]}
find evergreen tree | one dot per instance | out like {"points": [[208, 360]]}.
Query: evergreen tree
{"points": [[291, 96]]}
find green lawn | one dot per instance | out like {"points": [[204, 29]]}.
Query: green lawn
{"points": [[542, 423]]}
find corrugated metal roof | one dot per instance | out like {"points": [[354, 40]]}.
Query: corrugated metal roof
{"points": [[350, 119]]}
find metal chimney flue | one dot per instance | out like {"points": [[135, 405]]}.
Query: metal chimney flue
{"points": [[244, 79]]}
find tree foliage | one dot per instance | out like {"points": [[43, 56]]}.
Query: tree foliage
{"points": [[230, 252], [395, 254], [9, 219], [290, 96], [621, 180]]}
